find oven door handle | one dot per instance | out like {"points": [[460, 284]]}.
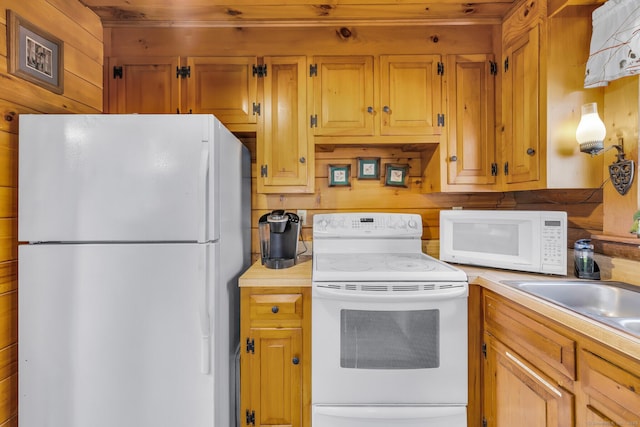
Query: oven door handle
{"points": [[389, 412], [397, 296]]}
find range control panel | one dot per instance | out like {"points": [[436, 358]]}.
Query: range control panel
{"points": [[367, 225]]}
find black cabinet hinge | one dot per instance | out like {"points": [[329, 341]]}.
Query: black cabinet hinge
{"points": [[440, 69], [264, 172], [506, 64], [493, 68], [484, 350], [484, 422], [313, 70], [250, 417], [506, 168], [314, 121], [441, 120], [494, 169], [117, 72], [183, 72], [256, 109], [251, 344], [260, 70]]}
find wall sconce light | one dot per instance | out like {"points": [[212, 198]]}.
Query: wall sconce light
{"points": [[590, 135]]}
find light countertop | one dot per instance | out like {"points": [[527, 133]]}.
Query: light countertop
{"points": [[300, 275]]}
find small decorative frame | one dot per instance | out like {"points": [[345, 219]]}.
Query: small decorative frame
{"points": [[368, 167], [34, 55], [339, 175], [396, 175]]}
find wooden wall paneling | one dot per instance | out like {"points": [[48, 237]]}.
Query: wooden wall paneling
{"points": [[241, 41], [621, 116]]}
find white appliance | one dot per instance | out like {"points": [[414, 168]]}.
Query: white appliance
{"points": [[389, 326], [534, 241], [138, 227]]}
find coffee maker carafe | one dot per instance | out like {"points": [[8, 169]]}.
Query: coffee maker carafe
{"points": [[279, 234]]}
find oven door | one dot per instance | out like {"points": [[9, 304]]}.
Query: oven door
{"points": [[385, 348], [389, 416]]}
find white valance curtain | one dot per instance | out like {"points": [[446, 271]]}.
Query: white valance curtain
{"points": [[615, 42]]}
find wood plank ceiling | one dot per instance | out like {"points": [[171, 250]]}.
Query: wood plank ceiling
{"points": [[243, 13]]}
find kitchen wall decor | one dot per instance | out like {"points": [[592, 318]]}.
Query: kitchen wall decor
{"points": [[339, 175], [396, 175], [368, 167]]}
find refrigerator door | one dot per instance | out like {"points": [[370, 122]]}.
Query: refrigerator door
{"points": [[122, 335], [118, 177]]}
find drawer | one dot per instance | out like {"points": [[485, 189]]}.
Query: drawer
{"points": [[275, 308], [544, 347]]}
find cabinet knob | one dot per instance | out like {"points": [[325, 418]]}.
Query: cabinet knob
{"points": [[275, 309], [302, 160], [386, 109], [370, 110], [531, 151], [295, 360], [453, 158]]}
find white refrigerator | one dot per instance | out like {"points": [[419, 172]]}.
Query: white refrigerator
{"points": [[134, 230]]}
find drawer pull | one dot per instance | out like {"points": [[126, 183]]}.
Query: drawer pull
{"points": [[275, 309]]}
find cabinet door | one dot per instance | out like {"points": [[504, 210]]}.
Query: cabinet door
{"points": [[283, 155], [517, 391], [144, 85], [343, 95], [275, 376], [470, 115], [410, 95], [224, 87], [521, 91]]}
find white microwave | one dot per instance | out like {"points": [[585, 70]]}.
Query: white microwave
{"points": [[534, 241]]}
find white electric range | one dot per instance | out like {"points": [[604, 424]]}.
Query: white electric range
{"points": [[389, 326]]}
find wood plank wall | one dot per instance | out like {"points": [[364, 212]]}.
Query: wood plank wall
{"points": [[82, 34], [583, 206]]}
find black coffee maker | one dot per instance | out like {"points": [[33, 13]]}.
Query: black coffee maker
{"points": [[279, 234]]}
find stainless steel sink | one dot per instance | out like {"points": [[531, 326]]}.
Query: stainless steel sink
{"points": [[614, 303]]}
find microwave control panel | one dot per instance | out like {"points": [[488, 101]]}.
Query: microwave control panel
{"points": [[554, 242]]}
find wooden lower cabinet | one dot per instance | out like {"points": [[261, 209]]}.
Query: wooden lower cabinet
{"points": [[275, 369], [518, 394], [537, 372]]}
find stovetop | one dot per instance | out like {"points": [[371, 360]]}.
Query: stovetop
{"points": [[374, 247], [361, 267]]}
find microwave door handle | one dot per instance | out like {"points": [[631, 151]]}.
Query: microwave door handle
{"points": [[400, 296]]}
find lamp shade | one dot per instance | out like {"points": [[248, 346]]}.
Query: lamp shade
{"points": [[591, 130]]}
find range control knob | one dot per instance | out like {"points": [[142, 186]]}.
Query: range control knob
{"points": [[413, 224]]}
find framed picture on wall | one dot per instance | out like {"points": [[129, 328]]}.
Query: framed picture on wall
{"points": [[339, 175], [34, 55], [396, 175], [368, 167]]}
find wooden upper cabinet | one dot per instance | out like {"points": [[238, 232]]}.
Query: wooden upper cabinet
{"points": [[343, 95], [284, 154], [410, 95], [471, 150], [225, 87], [143, 85], [521, 106]]}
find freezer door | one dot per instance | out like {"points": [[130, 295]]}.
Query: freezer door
{"points": [[123, 335], [118, 178]]}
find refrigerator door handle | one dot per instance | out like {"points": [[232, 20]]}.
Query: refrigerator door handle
{"points": [[203, 191], [203, 312]]}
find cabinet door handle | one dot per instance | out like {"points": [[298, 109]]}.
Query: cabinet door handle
{"points": [[370, 110], [531, 151], [386, 109], [302, 160], [295, 360], [453, 158], [275, 309]]}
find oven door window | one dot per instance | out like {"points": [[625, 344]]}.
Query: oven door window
{"points": [[389, 339]]}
